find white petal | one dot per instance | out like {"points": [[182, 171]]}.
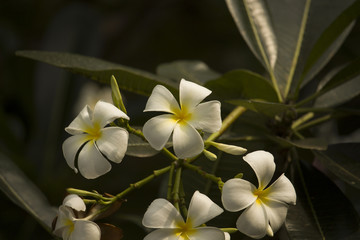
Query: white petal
{"points": [[202, 209], [75, 202], [253, 221], [187, 141], [191, 94], [207, 116], [227, 236], [237, 194], [91, 163], [161, 100], [276, 212], [208, 233], [65, 216], [158, 130], [105, 113], [263, 165], [71, 146], [162, 234], [85, 230], [161, 214], [282, 190], [81, 122], [113, 143]]}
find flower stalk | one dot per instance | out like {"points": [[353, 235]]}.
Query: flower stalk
{"points": [[204, 174], [176, 188]]}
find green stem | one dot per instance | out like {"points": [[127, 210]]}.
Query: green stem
{"points": [[298, 47], [85, 193], [170, 182], [141, 183], [204, 174], [306, 117], [182, 201], [139, 133], [169, 154], [314, 122], [308, 99], [136, 132], [175, 192], [228, 121]]}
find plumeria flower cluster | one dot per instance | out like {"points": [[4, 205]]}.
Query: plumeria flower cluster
{"points": [[93, 143], [68, 224]]}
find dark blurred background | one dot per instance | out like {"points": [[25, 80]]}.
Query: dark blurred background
{"points": [[38, 101]]}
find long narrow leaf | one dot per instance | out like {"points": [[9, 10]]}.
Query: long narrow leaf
{"points": [[322, 210], [343, 161], [24, 193], [329, 38], [346, 74], [129, 79], [253, 21]]}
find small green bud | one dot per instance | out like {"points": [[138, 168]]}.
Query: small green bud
{"points": [[239, 175], [116, 95]]}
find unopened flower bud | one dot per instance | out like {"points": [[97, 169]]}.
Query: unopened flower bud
{"points": [[231, 149], [211, 156]]}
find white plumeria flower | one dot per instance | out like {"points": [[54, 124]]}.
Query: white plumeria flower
{"points": [[163, 215], [181, 120], [265, 207], [96, 142], [71, 228]]}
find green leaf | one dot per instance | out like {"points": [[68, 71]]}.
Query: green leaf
{"points": [[343, 161], [339, 95], [330, 39], [253, 21], [337, 88], [139, 148], [342, 87], [322, 210], [242, 84], [129, 79], [307, 143], [346, 74], [24, 193], [195, 71], [267, 108]]}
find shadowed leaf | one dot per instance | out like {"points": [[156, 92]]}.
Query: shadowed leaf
{"points": [[129, 79], [24, 193]]}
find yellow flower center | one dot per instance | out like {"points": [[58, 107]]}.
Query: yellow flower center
{"points": [[182, 115], [261, 195], [94, 131], [184, 230], [70, 225]]}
